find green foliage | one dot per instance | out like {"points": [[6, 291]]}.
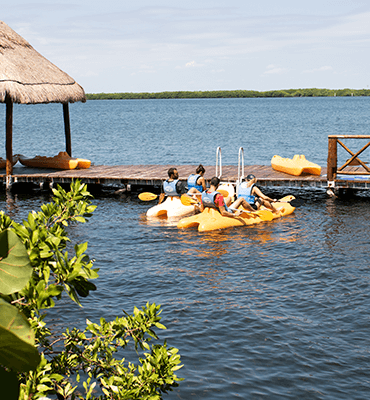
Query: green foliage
{"points": [[91, 351], [310, 92], [35, 270], [16, 340], [15, 269]]}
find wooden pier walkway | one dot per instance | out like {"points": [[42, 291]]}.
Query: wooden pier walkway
{"points": [[132, 176], [353, 174]]}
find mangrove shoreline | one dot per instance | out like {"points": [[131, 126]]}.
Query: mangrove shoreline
{"points": [[219, 94]]}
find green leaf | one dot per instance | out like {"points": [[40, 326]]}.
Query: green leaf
{"points": [[13, 320], [15, 268], [80, 248], [44, 388], [160, 326], [54, 290], [17, 350], [146, 345]]}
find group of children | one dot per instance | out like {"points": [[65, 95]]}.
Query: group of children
{"points": [[248, 194]]}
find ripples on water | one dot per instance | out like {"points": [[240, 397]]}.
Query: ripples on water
{"points": [[276, 310], [188, 131]]}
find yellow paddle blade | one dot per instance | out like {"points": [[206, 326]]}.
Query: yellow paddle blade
{"points": [[147, 196], [224, 193], [265, 215], [248, 214], [187, 201]]}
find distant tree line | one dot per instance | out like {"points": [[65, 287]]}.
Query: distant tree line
{"points": [[213, 94]]}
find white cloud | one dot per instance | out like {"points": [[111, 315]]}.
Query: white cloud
{"points": [[90, 74], [193, 64], [237, 40], [190, 64], [321, 69], [274, 70]]}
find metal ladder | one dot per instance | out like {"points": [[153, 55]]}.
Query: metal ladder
{"points": [[240, 168], [240, 164], [218, 163]]}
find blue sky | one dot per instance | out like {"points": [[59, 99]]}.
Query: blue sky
{"points": [[168, 45]]}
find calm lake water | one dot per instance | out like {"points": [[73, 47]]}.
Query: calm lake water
{"points": [[274, 311]]}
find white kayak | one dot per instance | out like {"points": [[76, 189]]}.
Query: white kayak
{"points": [[170, 208]]}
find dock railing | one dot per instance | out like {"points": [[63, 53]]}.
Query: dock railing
{"points": [[218, 172], [332, 163]]}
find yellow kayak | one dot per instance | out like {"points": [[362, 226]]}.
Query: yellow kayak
{"points": [[83, 163], [210, 219], [61, 161], [296, 166]]}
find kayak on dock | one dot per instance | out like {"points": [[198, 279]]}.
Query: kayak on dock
{"points": [[211, 219], [296, 166], [60, 161]]}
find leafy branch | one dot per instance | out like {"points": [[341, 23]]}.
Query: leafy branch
{"points": [[35, 270]]}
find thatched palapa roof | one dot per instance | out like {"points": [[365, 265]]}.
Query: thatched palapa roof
{"points": [[28, 77]]}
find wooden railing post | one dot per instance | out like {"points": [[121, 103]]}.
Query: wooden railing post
{"points": [[67, 129], [332, 158], [9, 141]]}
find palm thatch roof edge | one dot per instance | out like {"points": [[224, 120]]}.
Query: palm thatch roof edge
{"points": [[28, 77]]}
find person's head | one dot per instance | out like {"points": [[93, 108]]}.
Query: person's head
{"points": [[172, 173], [251, 178], [215, 182], [200, 169]]}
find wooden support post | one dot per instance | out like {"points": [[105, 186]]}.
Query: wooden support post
{"points": [[332, 158], [67, 129], [9, 141]]}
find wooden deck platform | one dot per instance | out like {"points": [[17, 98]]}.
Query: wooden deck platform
{"points": [[353, 174], [153, 175], [140, 177]]}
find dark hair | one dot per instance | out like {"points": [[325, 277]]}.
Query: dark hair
{"points": [[200, 169], [171, 171], [250, 177], [215, 181]]}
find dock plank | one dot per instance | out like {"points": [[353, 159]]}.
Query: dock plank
{"points": [[155, 174]]}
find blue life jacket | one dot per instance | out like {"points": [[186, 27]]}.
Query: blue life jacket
{"points": [[169, 188], [192, 182], [208, 200], [245, 191]]}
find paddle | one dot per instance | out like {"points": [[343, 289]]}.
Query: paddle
{"points": [[147, 196], [265, 215], [224, 193], [188, 201]]}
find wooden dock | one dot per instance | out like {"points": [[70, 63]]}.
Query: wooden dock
{"points": [[141, 176], [354, 174]]}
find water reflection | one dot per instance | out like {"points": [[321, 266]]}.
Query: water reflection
{"points": [[11, 204], [349, 218], [158, 221], [279, 287]]}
